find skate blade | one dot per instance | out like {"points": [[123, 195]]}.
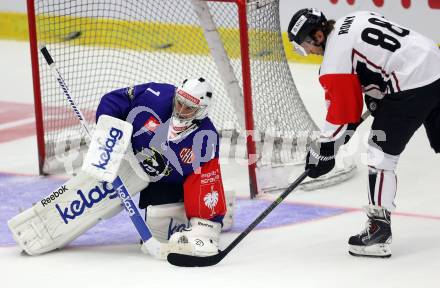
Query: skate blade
{"points": [[376, 250]]}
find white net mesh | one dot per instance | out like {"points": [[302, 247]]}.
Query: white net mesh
{"points": [[101, 45]]}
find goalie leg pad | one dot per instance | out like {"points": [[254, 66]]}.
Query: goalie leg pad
{"points": [[168, 219], [164, 220], [71, 210]]}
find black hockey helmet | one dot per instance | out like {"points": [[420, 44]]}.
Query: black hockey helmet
{"points": [[303, 22]]}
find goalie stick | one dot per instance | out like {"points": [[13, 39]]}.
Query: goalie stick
{"points": [[126, 198], [183, 260]]}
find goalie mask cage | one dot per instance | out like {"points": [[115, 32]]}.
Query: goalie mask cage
{"points": [[102, 45]]}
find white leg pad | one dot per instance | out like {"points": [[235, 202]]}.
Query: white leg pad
{"points": [[72, 209], [164, 220]]}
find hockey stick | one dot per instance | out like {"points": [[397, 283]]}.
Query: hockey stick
{"points": [[119, 186], [197, 261]]}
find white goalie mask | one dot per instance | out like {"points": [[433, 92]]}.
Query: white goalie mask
{"points": [[191, 103]]}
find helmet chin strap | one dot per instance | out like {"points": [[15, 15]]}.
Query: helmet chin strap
{"points": [[179, 127]]}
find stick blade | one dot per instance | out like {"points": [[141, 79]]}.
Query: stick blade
{"points": [[183, 260]]}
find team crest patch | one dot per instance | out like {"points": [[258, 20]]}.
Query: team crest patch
{"points": [[153, 162], [211, 200], [187, 155], [151, 124]]}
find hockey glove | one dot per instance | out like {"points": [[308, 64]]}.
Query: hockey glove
{"points": [[372, 104], [320, 160]]}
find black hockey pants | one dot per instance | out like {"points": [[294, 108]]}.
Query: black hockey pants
{"points": [[400, 114]]}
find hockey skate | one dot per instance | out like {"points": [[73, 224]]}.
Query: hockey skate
{"points": [[375, 239]]}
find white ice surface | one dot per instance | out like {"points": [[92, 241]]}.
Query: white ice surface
{"points": [[312, 254]]}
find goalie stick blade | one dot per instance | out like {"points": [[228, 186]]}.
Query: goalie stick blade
{"points": [[183, 260]]}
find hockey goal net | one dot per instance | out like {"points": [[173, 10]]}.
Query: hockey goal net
{"points": [[101, 45]]}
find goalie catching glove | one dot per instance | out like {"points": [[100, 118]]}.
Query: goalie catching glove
{"points": [[201, 239]]}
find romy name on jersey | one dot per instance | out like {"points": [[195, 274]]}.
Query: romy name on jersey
{"points": [[346, 25]]}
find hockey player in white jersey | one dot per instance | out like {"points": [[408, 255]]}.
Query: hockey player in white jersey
{"points": [[397, 70]]}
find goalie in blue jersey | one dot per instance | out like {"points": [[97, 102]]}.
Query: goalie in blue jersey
{"points": [[172, 161]]}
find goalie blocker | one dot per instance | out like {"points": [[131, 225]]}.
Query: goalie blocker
{"points": [[110, 140]]}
